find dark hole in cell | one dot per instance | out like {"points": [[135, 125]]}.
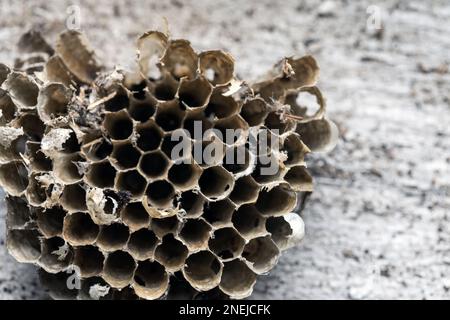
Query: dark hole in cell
{"points": [[142, 111], [153, 164], [149, 139], [160, 190]]}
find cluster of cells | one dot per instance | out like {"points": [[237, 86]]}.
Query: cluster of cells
{"points": [[100, 202]]}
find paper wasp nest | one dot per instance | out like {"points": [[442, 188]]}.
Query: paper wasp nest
{"points": [[93, 186]]}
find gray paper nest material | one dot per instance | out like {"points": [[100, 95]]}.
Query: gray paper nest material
{"points": [[92, 184]]}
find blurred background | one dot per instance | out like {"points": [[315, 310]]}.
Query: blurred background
{"points": [[378, 223]]}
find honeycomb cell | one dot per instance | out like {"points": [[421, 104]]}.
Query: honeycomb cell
{"points": [[142, 244], [254, 111], [261, 254], [160, 194], [184, 176], [131, 181], [192, 203], [24, 245], [101, 174], [219, 213], [120, 101], [73, 197], [113, 237], [56, 255], [216, 183], [79, 229], [237, 279], [203, 270], [195, 93], [249, 221], [142, 110], [170, 115], [89, 261], [149, 136], [246, 190], [221, 106], [150, 280], [135, 216], [226, 243], [50, 221], [154, 164], [118, 125], [119, 269], [125, 155], [171, 253], [195, 234]]}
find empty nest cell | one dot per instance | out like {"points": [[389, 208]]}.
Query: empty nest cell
{"points": [[142, 244], [119, 269], [135, 216], [79, 229], [203, 270]]}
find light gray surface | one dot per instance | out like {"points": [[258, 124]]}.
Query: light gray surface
{"points": [[378, 224]]}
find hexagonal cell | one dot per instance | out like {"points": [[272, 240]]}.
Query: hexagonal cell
{"points": [[154, 164], [142, 110], [192, 202], [160, 194], [56, 255], [171, 253], [170, 115], [7, 107], [150, 280], [267, 170], [278, 124], [165, 226], [195, 234], [180, 59], [98, 149], [89, 260], [249, 221], [299, 179], [208, 153], [221, 106], [118, 102], [135, 216], [237, 159], [217, 66], [232, 130], [237, 279], [203, 270], [319, 135], [119, 269], [296, 150], [38, 160], [195, 93], [32, 126], [184, 176], [276, 202], [142, 244], [219, 213], [53, 101], [113, 237], [196, 123], [118, 125], [216, 183], [73, 197], [166, 88], [226, 243], [50, 221], [24, 245], [131, 181], [36, 190], [68, 168], [101, 174], [286, 230], [261, 254], [18, 213], [149, 136], [71, 144], [125, 155], [254, 111], [14, 177], [56, 284], [177, 146], [79, 229], [245, 190]]}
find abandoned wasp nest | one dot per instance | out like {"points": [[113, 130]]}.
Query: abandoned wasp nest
{"points": [[94, 186]]}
